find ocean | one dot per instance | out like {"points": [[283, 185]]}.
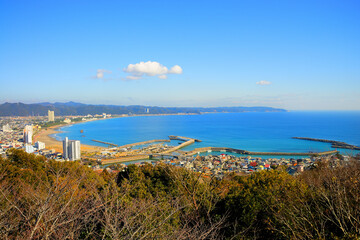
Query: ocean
{"points": [[252, 131]]}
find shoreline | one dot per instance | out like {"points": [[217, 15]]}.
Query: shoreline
{"points": [[44, 135], [52, 143]]}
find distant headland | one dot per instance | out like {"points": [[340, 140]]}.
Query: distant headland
{"points": [[80, 109]]}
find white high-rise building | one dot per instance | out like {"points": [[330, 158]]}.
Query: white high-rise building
{"points": [[51, 116], [28, 133], [71, 149], [29, 148], [65, 148], [39, 145]]}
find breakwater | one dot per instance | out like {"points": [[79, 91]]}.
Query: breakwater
{"points": [[188, 142], [172, 137], [107, 143], [334, 144], [244, 152], [143, 143]]}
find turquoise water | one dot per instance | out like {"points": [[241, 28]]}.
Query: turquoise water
{"points": [[269, 132]]}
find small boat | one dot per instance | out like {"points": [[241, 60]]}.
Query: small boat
{"points": [[81, 131]]}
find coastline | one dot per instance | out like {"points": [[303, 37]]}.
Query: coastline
{"points": [[44, 135]]}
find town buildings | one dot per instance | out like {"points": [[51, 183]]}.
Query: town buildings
{"points": [[51, 116], [67, 120], [28, 134], [6, 128], [40, 145], [29, 148], [71, 149]]}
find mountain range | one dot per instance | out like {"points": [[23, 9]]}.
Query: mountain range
{"points": [[75, 109]]}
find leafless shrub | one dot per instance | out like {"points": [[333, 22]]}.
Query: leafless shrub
{"points": [[157, 217], [327, 204], [57, 210]]}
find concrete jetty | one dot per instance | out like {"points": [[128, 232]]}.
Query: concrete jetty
{"points": [[143, 143], [334, 144], [172, 137], [188, 142], [107, 143]]}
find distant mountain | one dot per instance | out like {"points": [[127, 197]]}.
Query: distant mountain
{"points": [[69, 104], [73, 108]]}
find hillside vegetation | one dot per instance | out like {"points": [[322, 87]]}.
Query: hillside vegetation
{"points": [[45, 199]]}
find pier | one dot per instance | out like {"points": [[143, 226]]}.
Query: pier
{"points": [[334, 144], [188, 141], [107, 143], [172, 137], [143, 143]]}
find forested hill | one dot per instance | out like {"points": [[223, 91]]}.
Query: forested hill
{"points": [[46, 199], [72, 108]]}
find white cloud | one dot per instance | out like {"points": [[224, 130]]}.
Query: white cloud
{"points": [[150, 69], [176, 70], [130, 77], [263, 83], [163, 76], [100, 73]]}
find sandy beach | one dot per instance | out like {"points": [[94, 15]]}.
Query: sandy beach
{"points": [[52, 143], [44, 135]]}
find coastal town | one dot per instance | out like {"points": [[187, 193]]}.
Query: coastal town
{"points": [[32, 135]]}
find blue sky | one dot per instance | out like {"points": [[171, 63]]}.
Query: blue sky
{"points": [[298, 55]]}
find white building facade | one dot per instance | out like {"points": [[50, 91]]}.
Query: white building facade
{"points": [[40, 145], [51, 116], [6, 128], [29, 148], [67, 120], [28, 133], [71, 149]]}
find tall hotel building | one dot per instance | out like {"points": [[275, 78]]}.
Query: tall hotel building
{"points": [[51, 116], [71, 149], [28, 134]]}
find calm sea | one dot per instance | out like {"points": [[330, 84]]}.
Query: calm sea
{"points": [[272, 131]]}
